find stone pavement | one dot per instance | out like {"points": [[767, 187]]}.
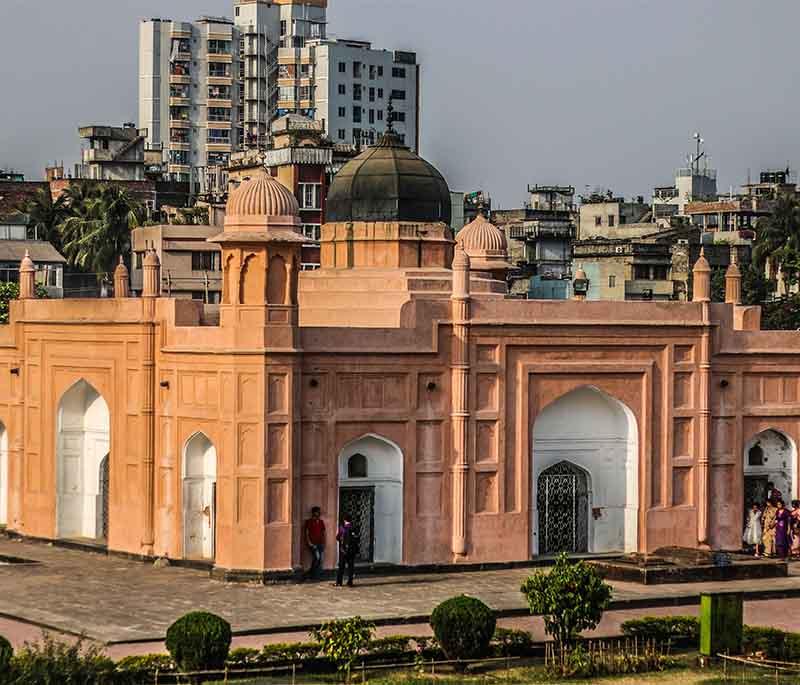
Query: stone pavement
{"points": [[118, 601]]}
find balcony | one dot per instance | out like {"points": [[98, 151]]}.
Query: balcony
{"points": [[180, 123], [220, 80], [535, 230], [645, 289], [92, 155], [179, 101], [220, 57], [297, 155], [180, 79]]}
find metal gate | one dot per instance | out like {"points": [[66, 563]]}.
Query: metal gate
{"points": [[563, 504], [359, 505], [104, 475]]}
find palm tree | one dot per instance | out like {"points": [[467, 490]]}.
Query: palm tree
{"points": [[45, 216], [778, 239], [99, 228]]}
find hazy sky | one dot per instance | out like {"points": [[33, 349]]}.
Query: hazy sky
{"points": [[586, 92]]}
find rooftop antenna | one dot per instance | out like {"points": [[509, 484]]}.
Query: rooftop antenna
{"points": [[700, 153]]}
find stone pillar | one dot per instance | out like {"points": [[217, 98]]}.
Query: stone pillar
{"points": [[151, 281], [702, 294], [460, 303], [702, 279], [733, 280], [121, 286], [287, 297], [151, 289], [27, 278]]}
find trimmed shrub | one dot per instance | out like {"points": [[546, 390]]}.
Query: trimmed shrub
{"points": [[289, 652], [464, 627], [49, 662], [138, 669], [394, 645], [663, 628], [6, 652], [509, 642], [199, 641], [768, 642], [571, 597], [244, 657]]}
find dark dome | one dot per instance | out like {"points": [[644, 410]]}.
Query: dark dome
{"points": [[388, 182]]}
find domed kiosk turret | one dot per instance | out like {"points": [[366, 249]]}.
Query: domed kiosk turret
{"points": [[387, 207]]}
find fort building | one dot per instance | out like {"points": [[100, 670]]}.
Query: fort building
{"points": [[398, 383]]}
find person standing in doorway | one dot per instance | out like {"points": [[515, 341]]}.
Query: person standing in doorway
{"points": [[752, 533], [314, 533], [348, 550], [768, 527]]}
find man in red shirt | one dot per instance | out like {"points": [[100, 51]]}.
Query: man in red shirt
{"points": [[314, 532]]}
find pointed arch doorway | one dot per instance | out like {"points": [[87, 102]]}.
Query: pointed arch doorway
{"points": [[199, 498], [83, 465], [585, 475]]}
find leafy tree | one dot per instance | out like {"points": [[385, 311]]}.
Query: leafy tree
{"points": [[778, 239], [343, 640], [10, 291], [45, 216], [98, 229], [718, 285], [571, 598], [199, 641]]}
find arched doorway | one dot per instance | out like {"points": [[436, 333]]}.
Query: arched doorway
{"points": [[371, 492], [769, 457], [585, 488], [3, 475], [82, 459], [199, 495]]}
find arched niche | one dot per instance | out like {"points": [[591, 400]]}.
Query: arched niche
{"points": [[251, 280], [276, 280], [199, 497], [375, 499], [596, 435], [83, 438]]}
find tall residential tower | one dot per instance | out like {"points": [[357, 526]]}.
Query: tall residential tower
{"points": [[211, 87]]}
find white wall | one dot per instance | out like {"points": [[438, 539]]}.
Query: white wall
{"points": [[780, 462], [83, 441], [599, 434], [385, 473]]}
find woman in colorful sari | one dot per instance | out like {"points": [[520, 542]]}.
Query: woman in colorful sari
{"points": [[768, 525], [795, 514], [782, 534]]}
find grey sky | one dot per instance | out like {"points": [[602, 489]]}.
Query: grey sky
{"points": [[588, 92]]}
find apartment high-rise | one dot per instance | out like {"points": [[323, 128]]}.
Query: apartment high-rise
{"points": [[214, 86]]}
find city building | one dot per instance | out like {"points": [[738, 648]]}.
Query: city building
{"points": [[695, 182], [188, 93], [190, 265], [14, 245], [398, 384], [602, 215], [540, 239], [112, 153], [214, 86]]}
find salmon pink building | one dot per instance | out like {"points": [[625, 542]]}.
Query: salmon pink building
{"points": [[397, 383]]}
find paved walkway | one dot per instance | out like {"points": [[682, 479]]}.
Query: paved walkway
{"points": [[118, 601]]}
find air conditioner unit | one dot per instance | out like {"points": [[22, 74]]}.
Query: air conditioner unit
{"points": [[620, 249]]}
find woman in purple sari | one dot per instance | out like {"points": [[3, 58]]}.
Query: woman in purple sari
{"points": [[782, 531]]}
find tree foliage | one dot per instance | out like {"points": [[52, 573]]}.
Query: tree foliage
{"points": [[571, 598], [777, 242], [10, 291], [45, 216], [99, 227]]}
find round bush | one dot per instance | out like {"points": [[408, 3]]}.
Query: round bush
{"points": [[464, 627], [6, 652], [199, 641]]}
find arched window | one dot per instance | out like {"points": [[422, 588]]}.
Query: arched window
{"points": [[755, 457], [357, 466]]}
